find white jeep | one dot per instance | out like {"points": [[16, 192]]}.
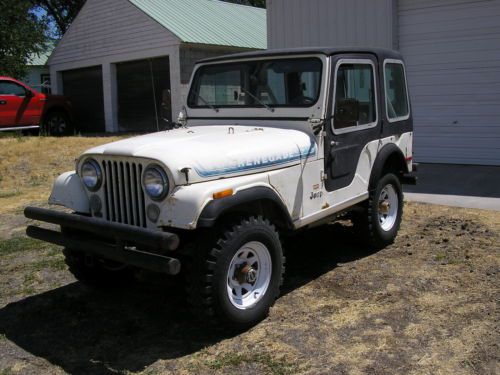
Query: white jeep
{"points": [[268, 143]]}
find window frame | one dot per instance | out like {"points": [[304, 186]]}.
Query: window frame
{"points": [[350, 129], [196, 73], [400, 118], [15, 84]]}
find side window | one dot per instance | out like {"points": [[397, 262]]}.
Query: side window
{"points": [[11, 88], [396, 96], [355, 101]]}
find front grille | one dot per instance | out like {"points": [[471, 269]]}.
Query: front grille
{"points": [[123, 195]]}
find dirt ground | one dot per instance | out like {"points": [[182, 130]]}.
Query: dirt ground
{"points": [[428, 304]]}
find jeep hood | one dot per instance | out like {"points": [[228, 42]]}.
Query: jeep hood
{"points": [[213, 152]]}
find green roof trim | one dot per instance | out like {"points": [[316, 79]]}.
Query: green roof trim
{"points": [[209, 21]]}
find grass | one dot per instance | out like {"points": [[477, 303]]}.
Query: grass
{"points": [[234, 360], [29, 165], [20, 244], [39, 257], [9, 194], [426, 304]]}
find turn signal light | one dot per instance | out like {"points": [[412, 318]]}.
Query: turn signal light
{"points": [[223, 194]]}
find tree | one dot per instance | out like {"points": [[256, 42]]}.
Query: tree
{"points": [[60, 12], [254, 3], [22, 34]]}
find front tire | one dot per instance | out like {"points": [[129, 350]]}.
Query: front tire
{"points": [[379, 222], [239, 277]]}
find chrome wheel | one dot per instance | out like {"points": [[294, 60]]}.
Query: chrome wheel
{"points": [[387, 207], [249, 275]]}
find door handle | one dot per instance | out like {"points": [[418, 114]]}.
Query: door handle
{"points": [[334, 143], [3, 102]]}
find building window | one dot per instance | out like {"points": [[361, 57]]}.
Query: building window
{"points": [[45, 83], [395, 91]]}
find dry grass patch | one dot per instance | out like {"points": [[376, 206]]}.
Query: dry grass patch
{"points": [[29, 165], [428, 304]]}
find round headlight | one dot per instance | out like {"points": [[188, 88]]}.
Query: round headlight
{"points": [[155, 182], [91, 174]]}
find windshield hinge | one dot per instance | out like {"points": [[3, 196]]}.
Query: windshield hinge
{"points": [[316, 125]]}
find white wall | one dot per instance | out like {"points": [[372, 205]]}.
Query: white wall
{"points": [[112, 31], [452, 52], [299, 23], [33, 78]]}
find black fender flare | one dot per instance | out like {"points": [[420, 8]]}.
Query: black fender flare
{"points": [[217, 207], [389, 151]]}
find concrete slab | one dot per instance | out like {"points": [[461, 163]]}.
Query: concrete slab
{"points": [[455, 200]]}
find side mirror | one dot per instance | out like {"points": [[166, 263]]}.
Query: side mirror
{"points": [[29, 94], [346, 113]]}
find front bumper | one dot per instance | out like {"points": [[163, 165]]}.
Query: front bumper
{"points": [[122, 243]]}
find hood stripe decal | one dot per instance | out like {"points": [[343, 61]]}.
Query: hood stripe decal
{"points": [[261, 163]]}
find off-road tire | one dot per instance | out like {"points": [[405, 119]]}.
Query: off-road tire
{"points": [[367, 224], [91, 272], [206, 274]]}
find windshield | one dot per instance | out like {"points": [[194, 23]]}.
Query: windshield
{"points": [[261, 83]]}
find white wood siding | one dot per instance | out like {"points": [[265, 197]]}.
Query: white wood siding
{"points": [[108, 28], [299, 23], [452, 52]]}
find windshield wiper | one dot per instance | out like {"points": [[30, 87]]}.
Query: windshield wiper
{"points": [[198, 96], [257, 99]]}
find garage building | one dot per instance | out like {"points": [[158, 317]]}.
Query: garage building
{"points": [[126, 64], [452, 52]]}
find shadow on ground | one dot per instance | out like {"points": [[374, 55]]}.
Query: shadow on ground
{"points": [[85, 331]]}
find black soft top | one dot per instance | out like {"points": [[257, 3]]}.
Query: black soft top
{"points": [[381, 53]]}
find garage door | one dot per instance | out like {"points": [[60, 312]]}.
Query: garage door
{"points": [[143, 94], [452, 49], [84, 88]]}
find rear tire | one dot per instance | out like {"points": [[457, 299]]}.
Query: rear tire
{"points": [[97, 273], [378, 224], [57, 124], [236, 280]]}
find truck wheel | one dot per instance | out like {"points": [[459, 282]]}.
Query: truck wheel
{"points": [[239, 278], [57, 124], [379, 223], [96, 273]]}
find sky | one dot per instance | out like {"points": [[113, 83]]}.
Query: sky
{"points": [[39, 12]]}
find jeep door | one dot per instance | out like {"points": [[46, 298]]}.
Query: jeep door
{"points": [[354, 109]]}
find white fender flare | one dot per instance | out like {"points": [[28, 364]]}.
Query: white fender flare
{"points": [[68, 191]]}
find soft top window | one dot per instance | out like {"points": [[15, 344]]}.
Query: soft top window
{"points": [[355, 92], [395, 91], [272, 83]]}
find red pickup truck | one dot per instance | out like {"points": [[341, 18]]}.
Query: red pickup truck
{"points": [[23, 108]]}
